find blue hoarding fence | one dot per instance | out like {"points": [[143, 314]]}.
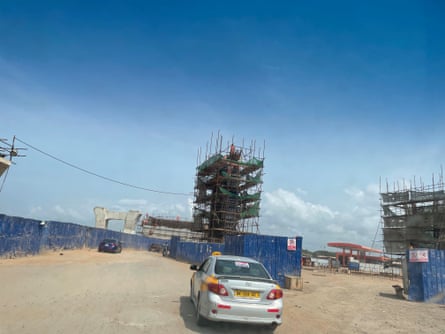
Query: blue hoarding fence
{"points": [[280, 255], [426, 274], [193, 252], [20, 236]]}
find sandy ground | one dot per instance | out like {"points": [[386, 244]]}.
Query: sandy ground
{"points": [[84, 291]]}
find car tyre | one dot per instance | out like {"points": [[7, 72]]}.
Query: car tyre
{"points": [[200, 320], [273, 327]]}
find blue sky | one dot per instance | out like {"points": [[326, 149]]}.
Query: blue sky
{"points": [[343, 95]]}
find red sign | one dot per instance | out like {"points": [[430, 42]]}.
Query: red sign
{"points": [[291, 244], [418, 255]]}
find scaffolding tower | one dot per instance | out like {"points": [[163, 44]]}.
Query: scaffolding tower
{"points": [[227, 190], [413, 217]]}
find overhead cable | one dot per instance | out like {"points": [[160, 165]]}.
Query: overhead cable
{"points": [[101, 176]]}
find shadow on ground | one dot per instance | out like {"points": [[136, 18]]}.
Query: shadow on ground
{"points": [[187, 312], [391, 295]]}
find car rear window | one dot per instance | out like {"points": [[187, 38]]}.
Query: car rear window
{"points": [[240, 268]]}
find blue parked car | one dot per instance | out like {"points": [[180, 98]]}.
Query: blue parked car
{"points": [[110, 246]]}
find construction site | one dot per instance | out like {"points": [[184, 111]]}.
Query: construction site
{"points": [[413, 216], [228, 189], [227, 195], [165, 228]]}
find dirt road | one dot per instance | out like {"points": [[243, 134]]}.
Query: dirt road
{"points": [[141, 292]]}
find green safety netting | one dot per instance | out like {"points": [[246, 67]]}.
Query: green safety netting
{"points": [[249, 211], [226, 192], [252, 211], [210, 161], [255, 196], [251, 179], [251, 162], [254, 179], [255, 162]]}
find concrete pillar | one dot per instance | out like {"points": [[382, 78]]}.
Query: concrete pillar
{"points": [[101, 221], [130, 218]]}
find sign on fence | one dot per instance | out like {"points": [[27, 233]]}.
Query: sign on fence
{"points": [[418, 255], [291, 244]]}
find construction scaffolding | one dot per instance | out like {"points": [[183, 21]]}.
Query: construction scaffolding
{"points": [[165, 228], [228, 189], [413, 217]]}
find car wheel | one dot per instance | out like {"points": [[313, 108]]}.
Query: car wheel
{"points": [[200, 320]]}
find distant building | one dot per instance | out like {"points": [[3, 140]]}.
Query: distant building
{"points": [[228, 191], [413, 217]]}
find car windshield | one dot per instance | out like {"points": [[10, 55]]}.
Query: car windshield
{"points": [[240, 268]]}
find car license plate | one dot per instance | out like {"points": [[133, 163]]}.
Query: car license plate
{"points": [[247, 294]]}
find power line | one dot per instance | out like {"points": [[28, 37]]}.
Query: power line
{"points": [[100, 176]]}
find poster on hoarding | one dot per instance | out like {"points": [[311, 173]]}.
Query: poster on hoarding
{"points": [[291, 244], [418, 255]]}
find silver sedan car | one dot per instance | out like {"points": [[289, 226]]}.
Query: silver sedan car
{"points": [[235, 289]]}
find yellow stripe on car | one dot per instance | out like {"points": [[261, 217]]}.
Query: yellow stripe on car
{"points": [[208, 280]]}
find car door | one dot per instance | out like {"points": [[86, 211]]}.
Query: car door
{"points": [[200, 276]]}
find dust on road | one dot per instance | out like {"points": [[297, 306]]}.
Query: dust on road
{"points": [[83, 291]]}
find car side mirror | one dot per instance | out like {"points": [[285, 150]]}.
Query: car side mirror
{"points": [[194, 267]]}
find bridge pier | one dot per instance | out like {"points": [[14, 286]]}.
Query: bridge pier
{"points": [[130, 218]]}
